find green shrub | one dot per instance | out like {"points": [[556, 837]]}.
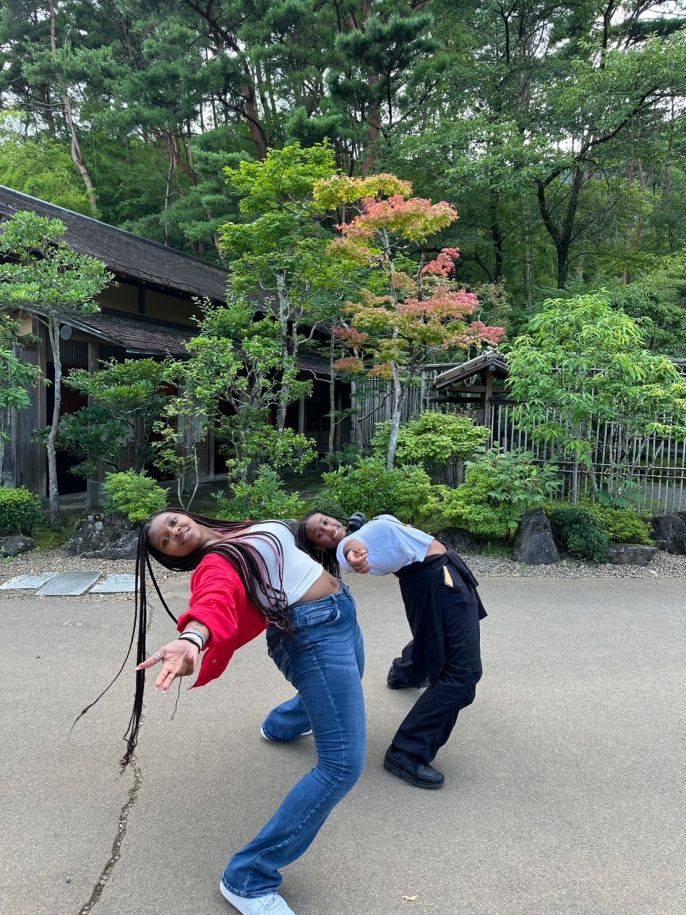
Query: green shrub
{"points": [[623, 525], [579, 532], [348, 456], [92, 434], [264, 498], [324, 502], [133, 495], [20, 511], [369, 487], [498, 489], [433, 438]]}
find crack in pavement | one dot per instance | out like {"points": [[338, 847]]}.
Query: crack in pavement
{"points": [[118, 841]]}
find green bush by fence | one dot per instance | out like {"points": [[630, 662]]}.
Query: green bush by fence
{"points": [[370, 487], [20, 511], [579, 532], [622, 525]]}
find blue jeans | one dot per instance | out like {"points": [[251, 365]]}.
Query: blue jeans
{"points": [[322, 658]]}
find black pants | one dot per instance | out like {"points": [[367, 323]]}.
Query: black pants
{"points": [[444, 621]]}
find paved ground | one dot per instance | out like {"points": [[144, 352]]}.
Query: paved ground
{"points": [[565, 780]]}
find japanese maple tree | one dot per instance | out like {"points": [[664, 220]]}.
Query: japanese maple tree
{"points": [[409, 308]]}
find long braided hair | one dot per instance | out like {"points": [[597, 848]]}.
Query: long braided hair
{"points": [[268, 597], [326, 557]]}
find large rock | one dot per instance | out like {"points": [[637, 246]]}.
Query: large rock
{"points": [[14, 545], [459, 539], [622, 554], [98, 537], [669, 532], [534, 543]]}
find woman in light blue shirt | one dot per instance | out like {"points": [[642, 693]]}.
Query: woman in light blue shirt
{"points": [[443, 609]]}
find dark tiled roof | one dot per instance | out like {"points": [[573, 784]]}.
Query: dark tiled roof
{"points": [[141, 337], [311, 362], [492, 360], [136, 337], [125, 254]]}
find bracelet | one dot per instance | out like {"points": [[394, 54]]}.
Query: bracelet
{"points": [[196, 633], [194, 638]]}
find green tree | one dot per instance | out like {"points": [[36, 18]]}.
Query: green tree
{"points": [[581, 363], [133, 391], [229, 385], [92, 434], [46, 277], [281, 253], [39, 166], [655, 295], [408, 305]]}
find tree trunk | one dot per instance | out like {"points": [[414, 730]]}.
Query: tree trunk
{"points": [[53, 490], [562, 264], [497, 236], [396, 414], [356, 432], [284, 310], [76, 155], [3, 435], [562, 235]]}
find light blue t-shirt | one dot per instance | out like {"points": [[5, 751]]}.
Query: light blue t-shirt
{"points": [[391, 545]]}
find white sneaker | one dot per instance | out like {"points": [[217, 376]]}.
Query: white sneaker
{"points": [[276, 739], [271, 904]]}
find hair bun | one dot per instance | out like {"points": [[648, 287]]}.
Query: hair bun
{"points": [[356, 521]]}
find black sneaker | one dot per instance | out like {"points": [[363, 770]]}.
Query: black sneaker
{"points": [[395, 681], [412, 770]]}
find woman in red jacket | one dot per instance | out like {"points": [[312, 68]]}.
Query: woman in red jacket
{"points": [[250, 577]]}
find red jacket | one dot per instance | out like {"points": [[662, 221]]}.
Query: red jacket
{"points": [[220, 602]]}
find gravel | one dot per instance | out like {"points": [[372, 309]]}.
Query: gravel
{"points": [[663, 565]]}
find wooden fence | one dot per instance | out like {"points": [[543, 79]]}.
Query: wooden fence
{"points": [[660, 474]]}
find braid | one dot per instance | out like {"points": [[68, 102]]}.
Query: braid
{"points": [[326, 557], [268, 599]]}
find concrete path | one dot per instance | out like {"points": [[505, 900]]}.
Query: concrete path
{"points": [[564, 781]]}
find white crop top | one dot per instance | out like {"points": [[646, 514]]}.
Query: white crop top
{"points": [[391, 545], [300, 571]]}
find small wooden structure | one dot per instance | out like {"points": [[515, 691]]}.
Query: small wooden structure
{"points": [[476, 384]]}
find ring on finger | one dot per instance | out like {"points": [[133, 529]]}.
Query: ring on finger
{"points": [[158, 656]]}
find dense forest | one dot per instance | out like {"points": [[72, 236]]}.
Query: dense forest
{"points": [[556, 130]]}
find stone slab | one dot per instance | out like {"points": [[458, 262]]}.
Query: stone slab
{"points": [[69, 584], [28, 582], [115, 584]]}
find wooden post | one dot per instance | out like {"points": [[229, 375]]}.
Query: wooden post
{"points": [[301, 416], [338, 430], [40, 454], [93, 486], [488, 409]]}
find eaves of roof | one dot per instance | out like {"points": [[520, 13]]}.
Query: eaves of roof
{"points": [[492, 361], [125, 254]]}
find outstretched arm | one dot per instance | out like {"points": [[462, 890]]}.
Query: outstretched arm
{"points": [[178, 658]]}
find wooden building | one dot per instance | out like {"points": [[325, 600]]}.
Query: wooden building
{"points": [[148, 313]]}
